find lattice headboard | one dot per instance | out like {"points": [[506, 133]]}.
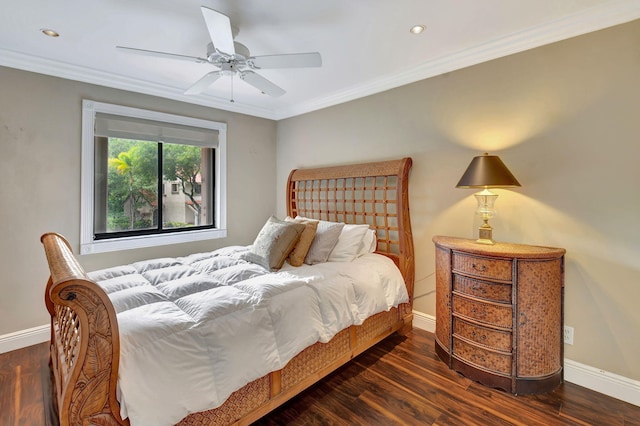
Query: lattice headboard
{"points": [[376, 194]]}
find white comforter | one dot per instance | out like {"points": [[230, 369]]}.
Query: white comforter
{"points": [[195, 329]]}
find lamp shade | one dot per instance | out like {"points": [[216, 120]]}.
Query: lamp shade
{"points": [[487, 171]]}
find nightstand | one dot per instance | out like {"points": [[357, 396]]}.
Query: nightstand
{"points": [[499, 313]]}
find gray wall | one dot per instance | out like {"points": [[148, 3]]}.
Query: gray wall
{"points": [[40, 182], [565, 118]]}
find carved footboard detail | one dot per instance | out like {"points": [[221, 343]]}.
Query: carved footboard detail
{"points": [[85, 343]]}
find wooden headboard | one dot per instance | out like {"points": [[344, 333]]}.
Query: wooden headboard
{"points": [[376, 194]]}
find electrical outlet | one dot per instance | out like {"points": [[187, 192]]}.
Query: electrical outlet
{"points": [[568, 335]]}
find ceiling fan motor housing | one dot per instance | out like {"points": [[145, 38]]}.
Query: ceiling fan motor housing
{"points": [[228, 68]]}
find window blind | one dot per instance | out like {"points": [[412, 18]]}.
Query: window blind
{"points": [[118, 126]]}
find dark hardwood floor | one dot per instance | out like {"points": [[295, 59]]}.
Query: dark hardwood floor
{"points": [[398, 382]]}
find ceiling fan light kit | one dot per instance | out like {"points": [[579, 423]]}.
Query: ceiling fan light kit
{"points": [[232, 57]]}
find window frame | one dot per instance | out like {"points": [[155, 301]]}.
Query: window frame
{"points": [[89, 245]]}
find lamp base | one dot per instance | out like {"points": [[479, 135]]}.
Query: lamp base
{"points": [[485, 234]]}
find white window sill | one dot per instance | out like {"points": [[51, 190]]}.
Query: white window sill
{"points": [[103, 246]]}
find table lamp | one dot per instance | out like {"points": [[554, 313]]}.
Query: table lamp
{"points": [[486, 171]]}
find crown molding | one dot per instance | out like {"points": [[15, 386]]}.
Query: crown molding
{"points": [[596, 18], [53, 68], [605, 15]]}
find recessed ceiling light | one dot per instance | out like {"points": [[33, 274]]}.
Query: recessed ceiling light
{"points": [[49, 32], [417, 29]]}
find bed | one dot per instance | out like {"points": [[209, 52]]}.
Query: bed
{"points": [[86, 341]]}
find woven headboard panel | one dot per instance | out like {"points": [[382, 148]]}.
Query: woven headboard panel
{"points": [[376, 194]]}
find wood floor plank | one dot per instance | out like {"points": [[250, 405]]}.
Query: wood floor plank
{"points": [[346, 401], [460, 404], [7, 387], [397, 402], [400, 381], [581, 407], [31, 397]]}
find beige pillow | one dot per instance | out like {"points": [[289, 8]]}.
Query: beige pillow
{"points": [[299, 252], [274, 242], [325, 240]]}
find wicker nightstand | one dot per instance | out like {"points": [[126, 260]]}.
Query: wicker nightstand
{"points": [[499, 313]]}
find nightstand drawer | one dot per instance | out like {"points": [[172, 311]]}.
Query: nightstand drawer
{"points": [[489, 360], [482, 267], [492, 314], [494, 339], [491, 291]]}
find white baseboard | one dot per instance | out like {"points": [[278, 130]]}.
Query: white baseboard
{"points": [[23, 338], [619, 387], [610, 384], [424, 321]]}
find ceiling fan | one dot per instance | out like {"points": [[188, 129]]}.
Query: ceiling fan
{"points": [[234, 58]]}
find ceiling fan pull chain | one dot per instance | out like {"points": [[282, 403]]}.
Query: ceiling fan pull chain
{"points": [[232, 89]]}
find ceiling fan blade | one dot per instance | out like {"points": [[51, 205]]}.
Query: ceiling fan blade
{"points": [[294, 60], [219, 27], [206, 81], [262, 84], [161, 54]]}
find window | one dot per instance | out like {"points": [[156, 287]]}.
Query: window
{"points": [[129, 157]]}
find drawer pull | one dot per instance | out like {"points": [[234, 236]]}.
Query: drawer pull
{"points": [[479, 312], [483, 337], [479, 289], [480, 358], [523, 319], [481, 268]]}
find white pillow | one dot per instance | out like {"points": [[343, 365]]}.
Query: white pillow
{"points": [[369, 243], [349, 243]]}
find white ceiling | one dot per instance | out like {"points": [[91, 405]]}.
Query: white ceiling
{"points": [[365, 45]]}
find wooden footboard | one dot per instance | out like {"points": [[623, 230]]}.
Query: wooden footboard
{"points": [[85, 343]]}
